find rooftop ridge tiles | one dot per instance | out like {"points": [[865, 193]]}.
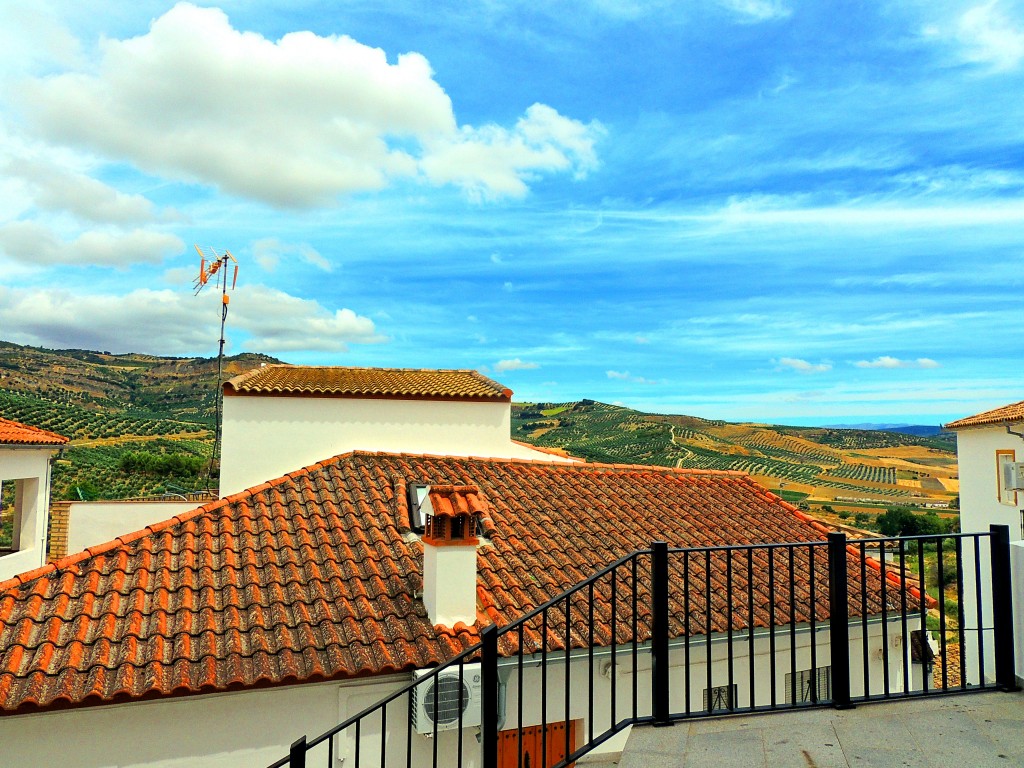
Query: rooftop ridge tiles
{"points": [[548, 463], [1004, 414], [376, 384]]}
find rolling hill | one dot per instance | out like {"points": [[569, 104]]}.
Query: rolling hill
{"points": [[139, 424], [143, 424], [838, 467]]}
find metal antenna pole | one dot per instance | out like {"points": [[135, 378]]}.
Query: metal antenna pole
{"points": [[218, 262], [215, 460]]}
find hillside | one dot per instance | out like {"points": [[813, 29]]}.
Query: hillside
{"points": [[852, 468], [139, 424], [147, 386], [142, 424]]}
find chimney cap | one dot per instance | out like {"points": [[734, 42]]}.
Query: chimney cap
{"points": [[451, 514]]}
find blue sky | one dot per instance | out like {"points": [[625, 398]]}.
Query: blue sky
{"points": [[796, 212]]}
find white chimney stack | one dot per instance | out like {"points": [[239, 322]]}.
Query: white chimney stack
{"points": [[451, 513]]}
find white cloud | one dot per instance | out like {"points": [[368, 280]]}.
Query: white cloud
{"points": [[293, 122], [627, 376], [31, 37], [279, 322], [269, 252], [158, 321], [177, 323], [885, 361], [782, 211], [802, 366], [515, 364], [752, 11], [491, 162], [990, 37], [55, 188], [33, 243]]}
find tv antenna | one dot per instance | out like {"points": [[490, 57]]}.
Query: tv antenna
{"points": [[213, 266]]}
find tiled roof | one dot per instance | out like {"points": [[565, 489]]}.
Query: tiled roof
{"points": [[315, 576], [400, 383], [1005, 415], [15, 433]]}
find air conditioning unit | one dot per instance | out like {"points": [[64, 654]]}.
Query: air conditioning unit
{"points": [[1013, 476], [435, 701]]}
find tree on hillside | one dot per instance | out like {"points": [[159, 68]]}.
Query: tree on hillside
{"points": [[900, 521]]}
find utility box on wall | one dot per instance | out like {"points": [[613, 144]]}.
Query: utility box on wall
{"points": [[1013, 476]]}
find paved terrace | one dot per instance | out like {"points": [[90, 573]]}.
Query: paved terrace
{"points": [[966, 731]]}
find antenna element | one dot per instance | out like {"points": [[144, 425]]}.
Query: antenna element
{"points": [[213, 263]]}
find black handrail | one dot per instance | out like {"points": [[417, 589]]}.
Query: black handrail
{"points": [[660, 606]]}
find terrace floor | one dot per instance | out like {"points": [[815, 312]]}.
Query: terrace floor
{"points": [[964, 731]]}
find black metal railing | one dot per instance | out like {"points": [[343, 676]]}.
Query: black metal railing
{"points": [[664, 634]]}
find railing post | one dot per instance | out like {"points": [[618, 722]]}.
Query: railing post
{"points": [[1002, 607], [489, 704], [838, 621], [659, 633], [297, 753]]}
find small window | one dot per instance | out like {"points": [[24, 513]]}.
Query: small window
{"points": [[1005, 494], [812, 686], [416, 494], [721, 698]]}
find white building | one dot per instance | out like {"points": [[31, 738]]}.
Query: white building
{"points": [[280, 418], [217, 637], [990, 452], [25, 454]]}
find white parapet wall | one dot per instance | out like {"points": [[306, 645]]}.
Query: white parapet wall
{"points": [[267, 437], [96, 522], [27, 469]]}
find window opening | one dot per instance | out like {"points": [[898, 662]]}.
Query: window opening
{"points": [[416, 494], [812, 686], [720, 698], [1006, 494]]}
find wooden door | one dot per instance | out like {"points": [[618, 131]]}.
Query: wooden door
{"points": [[533, 742]]}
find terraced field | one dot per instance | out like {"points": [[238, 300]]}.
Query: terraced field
{"points": [[844, 467]]}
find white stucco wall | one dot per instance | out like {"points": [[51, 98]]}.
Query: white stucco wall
{"points": [[255, 728], [232, 730], [979, 500], [267, 437], [28, 469], [980, 507], [1017, 564], [97, 522]]}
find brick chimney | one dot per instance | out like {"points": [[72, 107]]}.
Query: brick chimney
{"points": [[451, 515]]}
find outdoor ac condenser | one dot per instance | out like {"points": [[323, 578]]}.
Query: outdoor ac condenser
{"points": [[435, 701], [1013, 476]]}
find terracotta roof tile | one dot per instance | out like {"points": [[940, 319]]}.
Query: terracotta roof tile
{"points": [[15, 433], [316, 576], [398, 383], [1005, 415]]}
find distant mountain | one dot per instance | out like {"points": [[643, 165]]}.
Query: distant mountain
{"points": [[924, 430]]}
